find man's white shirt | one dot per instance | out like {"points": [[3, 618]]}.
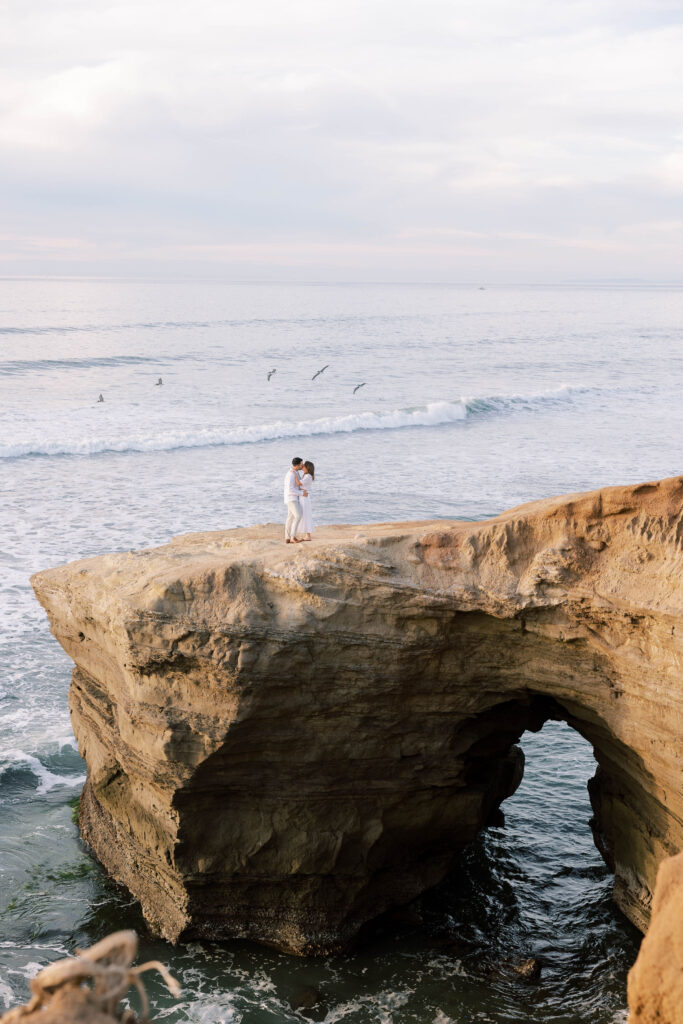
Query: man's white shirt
{"points": [[291, 489]]}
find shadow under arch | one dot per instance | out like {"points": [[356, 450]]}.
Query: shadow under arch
{"points": [[494, 736], [489, 745], [355, 796], [616, 792], [234, 850]]}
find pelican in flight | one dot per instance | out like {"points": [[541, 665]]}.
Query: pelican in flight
{"points": [[270, 373], [359, 386], [319, 372]]}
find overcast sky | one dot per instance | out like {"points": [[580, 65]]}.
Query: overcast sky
{"points": [[407, 140]]}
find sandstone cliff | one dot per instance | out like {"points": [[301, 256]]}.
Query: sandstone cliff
{"points": [[283, 741], [655, 983]]}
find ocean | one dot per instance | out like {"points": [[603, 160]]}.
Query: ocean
{"points": [[474, 399]]}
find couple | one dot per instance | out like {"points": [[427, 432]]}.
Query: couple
{"points": [[298, 482]]}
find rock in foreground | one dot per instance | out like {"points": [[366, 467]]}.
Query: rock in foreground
{"points": [[284, 741], [89, 987]]}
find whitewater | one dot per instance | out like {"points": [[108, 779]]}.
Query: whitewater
{"points": [[80, 431], [473, 402]]}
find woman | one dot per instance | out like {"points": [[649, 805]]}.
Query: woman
{"points": [[307, 479]]}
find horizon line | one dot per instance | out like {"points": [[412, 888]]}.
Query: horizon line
{"points": [[481, 283]]}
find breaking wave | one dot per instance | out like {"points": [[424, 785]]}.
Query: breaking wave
{"points": [[14, 761], [432, 415]]}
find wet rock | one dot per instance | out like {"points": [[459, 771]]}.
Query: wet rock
{"points": [[309, 1003], [283, 744], [304, 998], [527, 970]]}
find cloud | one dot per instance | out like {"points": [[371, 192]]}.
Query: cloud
{"points": [[518, 138]]}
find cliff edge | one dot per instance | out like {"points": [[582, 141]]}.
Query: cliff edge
{"points": [[284, 741], [655, 982]]}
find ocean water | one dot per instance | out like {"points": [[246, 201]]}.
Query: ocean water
{"points": [[474, 400]]}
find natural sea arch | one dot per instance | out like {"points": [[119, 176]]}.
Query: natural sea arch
{"points": [[412, 779], [282, 744]]}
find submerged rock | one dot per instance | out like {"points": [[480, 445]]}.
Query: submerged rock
{"points": [[527, 970], [309, 1003], [304, 998], [283, 742]]}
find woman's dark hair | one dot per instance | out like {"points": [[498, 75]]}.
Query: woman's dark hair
{"points": [[310, 468]]}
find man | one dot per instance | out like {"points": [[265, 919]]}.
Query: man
{"points": [[292, 501]]}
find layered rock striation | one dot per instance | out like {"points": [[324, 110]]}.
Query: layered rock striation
{"points": [[284, 741]]}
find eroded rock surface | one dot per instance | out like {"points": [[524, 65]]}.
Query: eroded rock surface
{"points": [[655, 983], [284, 741]]}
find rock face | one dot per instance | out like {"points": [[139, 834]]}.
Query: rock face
{"points": [[655, 983], [284, 741]]}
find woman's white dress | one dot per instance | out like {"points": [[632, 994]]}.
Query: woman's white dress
{"points": [[306, 524]]}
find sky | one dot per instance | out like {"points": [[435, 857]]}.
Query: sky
{"points": [[350, 140]]}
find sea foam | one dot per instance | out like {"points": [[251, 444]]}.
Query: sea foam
{"points": [[434, 414], [47, 780]]}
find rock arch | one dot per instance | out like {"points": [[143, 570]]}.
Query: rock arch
{"points": [[282, 743]]}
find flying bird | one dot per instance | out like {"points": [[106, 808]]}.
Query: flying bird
{"points": [[101, 398], [160, 381], [319, 372], [359, 386], [270, 373]]}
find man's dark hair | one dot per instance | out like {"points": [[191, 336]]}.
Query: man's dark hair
{"points": [[297, 462]]}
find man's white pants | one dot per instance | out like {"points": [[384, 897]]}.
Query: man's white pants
{"points": [[294, 514]]}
